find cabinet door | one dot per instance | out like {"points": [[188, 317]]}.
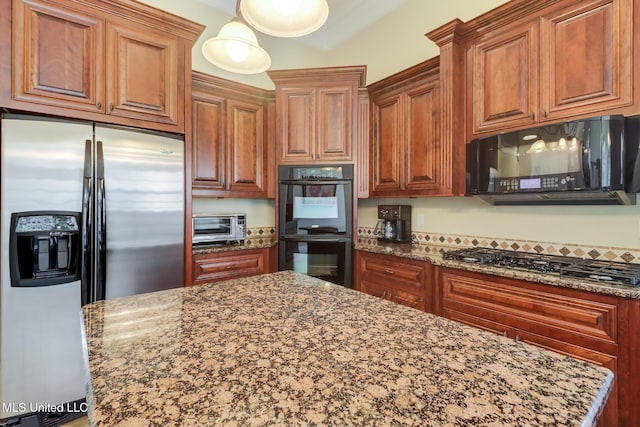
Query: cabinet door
{"points": [[504, 69], [398, 280], [143, 78], [586, 59], [386, 155], [208, 161], [228, 265], [245, 125], [58, 55], [296, 124], [577, 320], [422, 138], [334, 123]]}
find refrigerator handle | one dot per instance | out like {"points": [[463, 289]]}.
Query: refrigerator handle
{"points": [[101, 229], [86, 294]]}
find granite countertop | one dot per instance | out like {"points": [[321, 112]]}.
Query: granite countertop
{"points": [[239, 246], [288, 349], [433, 254]]}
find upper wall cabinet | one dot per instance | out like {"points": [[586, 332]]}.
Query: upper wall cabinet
{"points": [[114, 61], [230, 156], [565, 60], [406, 154], [317, 113]]}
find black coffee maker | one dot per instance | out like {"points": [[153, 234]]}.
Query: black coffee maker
{"points": [[394, 223]]}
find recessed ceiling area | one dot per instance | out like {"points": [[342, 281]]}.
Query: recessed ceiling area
{"points": [[346, 18], [385, 35]]}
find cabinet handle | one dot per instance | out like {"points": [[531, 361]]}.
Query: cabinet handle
{"points": [[533, 116], [544, 113], [99, 105], [110, 107], [390, 272]]}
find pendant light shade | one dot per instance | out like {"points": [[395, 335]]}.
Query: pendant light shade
{"points": [[236, 49], [285, 18]]}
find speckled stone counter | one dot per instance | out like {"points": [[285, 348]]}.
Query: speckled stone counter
{"points": [[241, 246], [287, 349], [433, 254]]}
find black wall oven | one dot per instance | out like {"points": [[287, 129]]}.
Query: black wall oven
{"points": [[316, 221]]}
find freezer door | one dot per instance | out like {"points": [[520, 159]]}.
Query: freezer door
{"points": [[142, 191], [41, 342]]}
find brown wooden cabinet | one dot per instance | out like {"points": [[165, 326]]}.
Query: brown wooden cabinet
{"points": [[229, 139], [585, 325], [404, 281], [316, 114], [219, 266], [572, 59], [406, 156], [117, 61]]}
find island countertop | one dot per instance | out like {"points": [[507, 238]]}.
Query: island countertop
{"points": [[288, 349]]}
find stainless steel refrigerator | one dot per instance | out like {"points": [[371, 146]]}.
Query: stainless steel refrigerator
{"points": [[123, 191]]}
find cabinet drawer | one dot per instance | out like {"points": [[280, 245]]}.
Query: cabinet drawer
{"points": [[395, 295], [550, 314], [215, 267], [390, 271]]}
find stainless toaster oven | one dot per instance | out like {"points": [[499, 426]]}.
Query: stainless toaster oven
{"points": [[218, 228]]}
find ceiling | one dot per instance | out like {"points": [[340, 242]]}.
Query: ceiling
{"points": [[346, 18]]}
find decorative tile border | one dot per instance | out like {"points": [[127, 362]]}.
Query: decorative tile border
{"points": [[453, 241], [261, 235]]}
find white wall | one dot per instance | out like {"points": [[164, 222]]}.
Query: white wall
{"points": [[615, 226], [260, 212]]}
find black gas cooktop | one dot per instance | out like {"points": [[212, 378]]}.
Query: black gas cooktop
{"points": [[601, 271]]}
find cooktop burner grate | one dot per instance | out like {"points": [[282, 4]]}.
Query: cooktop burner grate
{"points": [[601, 271]]}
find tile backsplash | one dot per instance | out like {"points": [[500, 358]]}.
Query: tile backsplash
{"points": [[261, 235], [453, 241]]}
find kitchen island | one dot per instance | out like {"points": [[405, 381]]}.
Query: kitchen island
{"points": [[288, 349]]}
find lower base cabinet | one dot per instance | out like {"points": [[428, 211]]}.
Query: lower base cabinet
{"points": [[217, 266], [404, 281], [585, 325]]}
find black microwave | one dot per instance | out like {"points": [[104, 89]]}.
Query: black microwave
{"points": [[584, 162]]}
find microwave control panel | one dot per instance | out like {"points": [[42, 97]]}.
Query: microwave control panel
{"points": [[556, 182]]}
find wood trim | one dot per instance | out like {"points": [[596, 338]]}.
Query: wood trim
{"points": [[143, 14], [229, 89], [323, 74], [452, 112], [419, 71], [362, 150]]}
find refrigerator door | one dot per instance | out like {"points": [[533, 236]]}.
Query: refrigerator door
{"points": [[41, 343], [142, 191]]}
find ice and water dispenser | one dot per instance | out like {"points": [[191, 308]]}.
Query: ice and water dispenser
{"points": [[45, 248]]}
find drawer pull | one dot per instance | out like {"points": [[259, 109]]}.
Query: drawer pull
{"points": [[389, 271]]}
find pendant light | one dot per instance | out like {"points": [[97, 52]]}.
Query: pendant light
{"points": [[236, 49], [285, 18]]}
